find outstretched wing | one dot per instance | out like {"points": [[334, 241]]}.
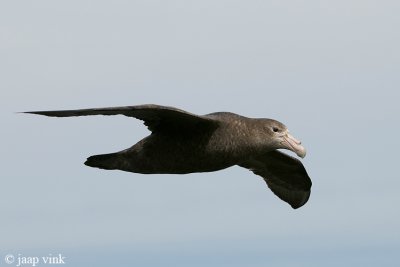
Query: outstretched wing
{"points": [[155, 117], [284, 175]]}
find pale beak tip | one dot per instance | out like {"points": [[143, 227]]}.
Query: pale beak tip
{"points": [[302, 153]]}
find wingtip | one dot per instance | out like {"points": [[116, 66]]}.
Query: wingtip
{"points": [[28, 112], [299, 204], [43, 113], [296, 206]]}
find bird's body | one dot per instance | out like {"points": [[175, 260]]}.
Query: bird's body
{"points": [[182, 143], [201, 149]]}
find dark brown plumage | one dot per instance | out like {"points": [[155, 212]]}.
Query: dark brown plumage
{"points": [[182, 142]]}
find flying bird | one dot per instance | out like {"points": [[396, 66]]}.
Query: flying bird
{"points": [[181, 142]]}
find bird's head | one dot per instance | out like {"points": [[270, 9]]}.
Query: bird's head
{"points": [[280, 138]]}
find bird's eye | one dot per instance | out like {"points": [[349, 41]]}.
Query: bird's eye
{"points": [[275, 129]]}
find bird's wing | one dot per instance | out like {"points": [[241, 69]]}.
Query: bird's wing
{"points": [[155, 117], [284, 175]]}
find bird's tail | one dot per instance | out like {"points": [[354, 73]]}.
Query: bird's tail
{"points": [[110, 161]]}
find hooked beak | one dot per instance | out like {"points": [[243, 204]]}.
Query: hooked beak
{"points": [[294, 145]]}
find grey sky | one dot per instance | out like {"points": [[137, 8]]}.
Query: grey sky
{"points": [[329, 70]]}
